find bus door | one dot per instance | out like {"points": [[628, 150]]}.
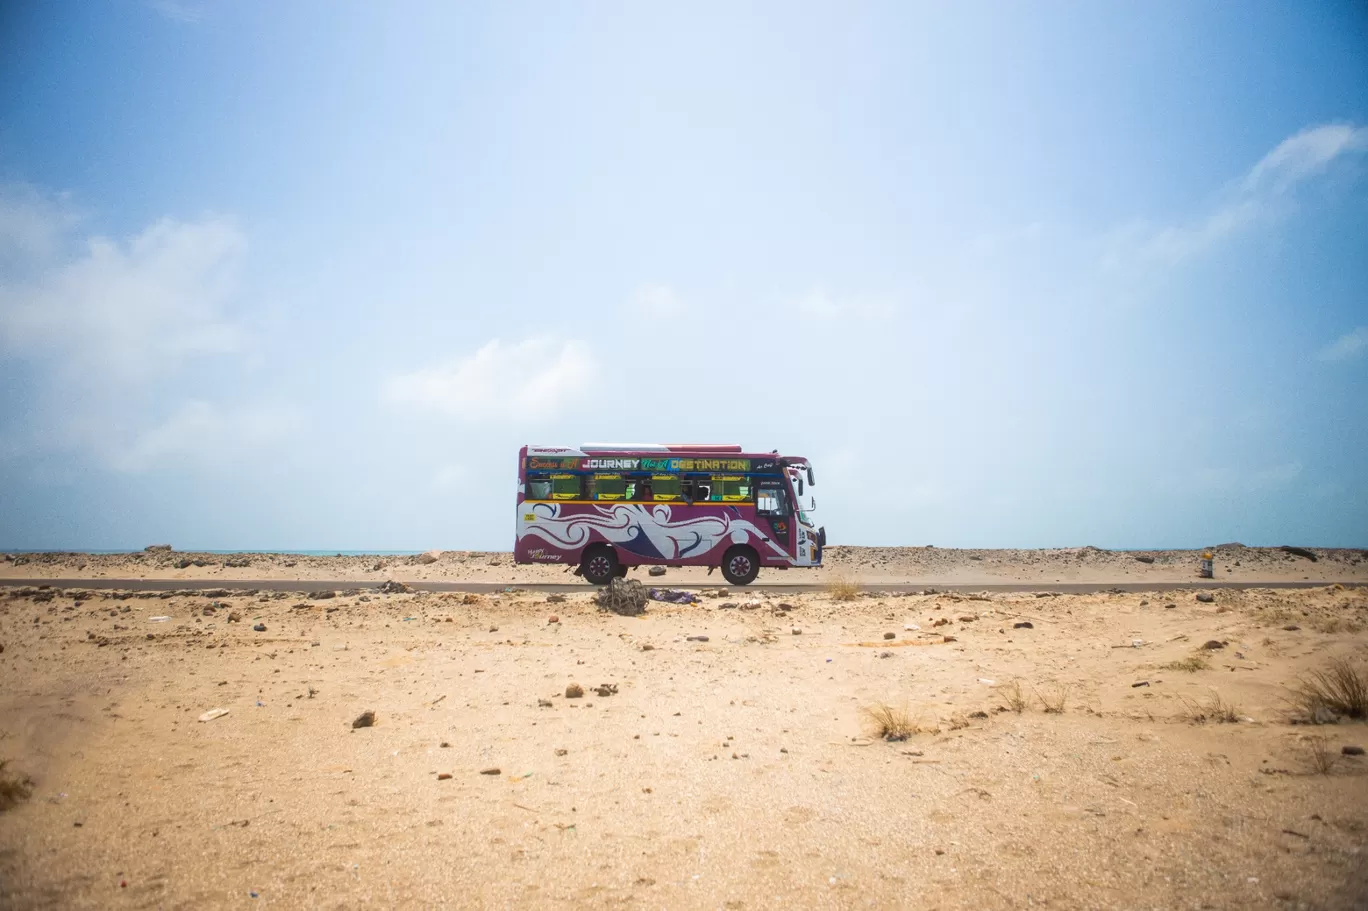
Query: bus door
{"points": [[773, 509]]}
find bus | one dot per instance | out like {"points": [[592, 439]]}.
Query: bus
{"points": [[607, 507]]}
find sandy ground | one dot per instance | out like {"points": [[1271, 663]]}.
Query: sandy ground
{"points": [[873, 565], [736, 772]]}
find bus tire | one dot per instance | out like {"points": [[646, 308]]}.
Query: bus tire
{"points": [[599, 565], [740, 565]]}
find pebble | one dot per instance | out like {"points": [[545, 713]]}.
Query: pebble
{"points": [[574, 691], [1212, 645], [697, 638], [1024, 624], [890, 635], [1291, 627], [444, 776], [260, 627], [1141, 683], [553, 619], [493, 770], [796, 631], [364, 720], [1206, 597], [1351, 750]]}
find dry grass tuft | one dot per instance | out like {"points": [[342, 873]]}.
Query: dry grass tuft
{"points": [[1341, 690], [1191, 665], [888, 722], [13, 788], [1214, 709], [1323, 756], [1011, 693], [843, 589], [1056, 700]]}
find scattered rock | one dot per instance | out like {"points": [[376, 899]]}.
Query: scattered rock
{"points": [[728, 605], [545, 704], [390, 587], [978, 714], [212, 714], [443, 776], [238, 562], [430, 557], [364, 720], [606, 689], [561, 751], [553, 619], [1212, 645], [1144, 559], [648, 647], [158, 548], [624, 597], [796, 631], [260, 627], [657, 571], [555, 599], [1139, 684], [1291, 627], [941, 622], [234, 617], [1351, 750], [885, 654], [696, 638], [890, 635], [1205, 597], [574, 691], [1169, 606], [444, 745], [1299, 552], [493, 770], [322, 596], [1024, 624]]}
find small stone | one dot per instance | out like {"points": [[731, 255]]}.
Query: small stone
{"points": [[1291, 627], [443, 776], [1212, 645], [1205, 597], [1169, 606], [890, 635], [697, 638], [444, 745], [430, 557], [364, 720], [234, 617], [1351, 750], [561, 751], [493, 770], [1144, 559], [493, 629], [555, 599], [544, 704], [885, 654], [657, 571], [1024, 624], [978, 714], [1139, 684], [796, 631], [553, 619], [260, 627], [606, 689], [574, 691], [648, 647]]}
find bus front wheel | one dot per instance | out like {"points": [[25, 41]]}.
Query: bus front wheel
{"points": [[740, 565], [599, 566]]}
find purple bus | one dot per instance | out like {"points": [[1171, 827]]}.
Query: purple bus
{"points": [[606, 507]]}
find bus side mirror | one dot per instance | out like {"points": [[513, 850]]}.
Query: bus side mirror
{"points": [[811, 483], [821, 536], [800, 487]]}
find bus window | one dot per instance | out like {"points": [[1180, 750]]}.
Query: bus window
{"points": [[608, 486], [771, 501], [666, 487], [697, 490], [564, 487], [733, 489], [538, 489]]}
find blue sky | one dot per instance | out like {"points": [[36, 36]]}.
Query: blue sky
{"points": [[305, 275]]}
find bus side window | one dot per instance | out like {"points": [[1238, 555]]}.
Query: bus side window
{"points": [[564, 487], [538, 489], [733, 489], [609, 486], [697, 490], [666, 487], [770, 501]]}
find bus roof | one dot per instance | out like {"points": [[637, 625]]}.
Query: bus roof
{"points": [[695, 449]]}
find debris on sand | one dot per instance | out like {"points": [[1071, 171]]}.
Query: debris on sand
{"points": [[1212, 644], [212, 714], [259, 627], [390, 587], [1205, 597], [492, 770], [657, 571], [624, 597], [574, 691], [443, 776], [696, 638], [1024, 624], [365, 720], [673, 596], [606, 689]]}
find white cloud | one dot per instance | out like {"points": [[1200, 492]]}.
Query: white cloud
{"points": [[658, 301], [203, 433], [531, 380], [819, 305], [1260, 196], [1304, 155], [120, 312], [1349, 345], [178, 10], [31, 224]]}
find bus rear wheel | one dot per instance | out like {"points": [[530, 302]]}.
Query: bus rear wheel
{"points": [[740, 565], [599, 566]]}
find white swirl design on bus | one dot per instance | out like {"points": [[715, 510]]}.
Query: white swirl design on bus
{"points": [[626, 523]]}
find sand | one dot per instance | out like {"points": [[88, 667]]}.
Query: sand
{"points": [[736, 772], [873, 565]]}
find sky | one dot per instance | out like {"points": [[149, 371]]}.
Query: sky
{"points": [[306, 275]]}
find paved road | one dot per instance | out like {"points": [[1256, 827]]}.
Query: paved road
{"points": [[301, 585]]}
